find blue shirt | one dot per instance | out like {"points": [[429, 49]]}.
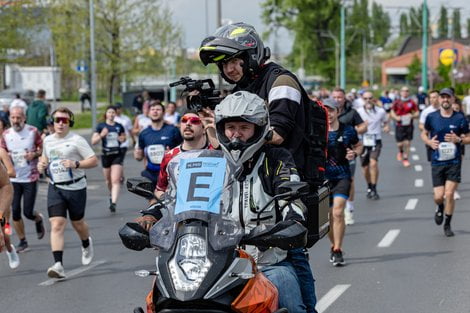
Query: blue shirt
{"points": [[438, 125], [156, 142], [337, 166], [110, 142]]}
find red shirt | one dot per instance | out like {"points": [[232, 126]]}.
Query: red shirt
{"points": [[401, 107], [170, 154]]}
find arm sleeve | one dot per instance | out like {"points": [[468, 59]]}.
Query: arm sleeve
{"points": [[163, 175], [284, 100], [357, 119]]}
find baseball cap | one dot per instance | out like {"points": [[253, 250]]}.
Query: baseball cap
{"points": [[446, 91], [330, 103]]}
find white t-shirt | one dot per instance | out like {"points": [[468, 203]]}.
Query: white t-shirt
{"points": [[466, 102], [172, 119], [19, 103], [125, 121], [71, 147], [375, 118], [143, 121], [425, 113], [17, 144], [358, 103]]}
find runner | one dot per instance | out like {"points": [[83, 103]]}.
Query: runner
{"points": [[343, 146], [445, 131], [65, 157], [24, 145], [404, 110], [154, 141], [111, 135], [376, 118], [433, 107]]}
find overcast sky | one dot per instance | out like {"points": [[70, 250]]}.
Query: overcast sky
{"points": [[197, 18]]}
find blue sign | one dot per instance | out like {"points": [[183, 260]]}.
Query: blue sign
{"points": [[81, 66], [200, 184]]}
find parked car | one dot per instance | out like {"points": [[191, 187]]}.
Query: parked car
{"points": [[8, 95]]}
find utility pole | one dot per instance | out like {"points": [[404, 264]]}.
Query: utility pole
{"points": [[343, 49], [364, 59], [424, 58], [92, 65], [219, 23]]}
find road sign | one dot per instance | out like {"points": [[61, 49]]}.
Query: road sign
{"points": [[82, 66]]}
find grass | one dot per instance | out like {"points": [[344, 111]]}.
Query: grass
{"points": [[83, 120]]}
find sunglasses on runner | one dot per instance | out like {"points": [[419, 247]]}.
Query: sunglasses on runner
{"points": [[191, 119], [64, 120]]}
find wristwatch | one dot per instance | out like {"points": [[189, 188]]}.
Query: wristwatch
{"points": [[77, 164]]}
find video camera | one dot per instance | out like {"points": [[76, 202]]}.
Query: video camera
{"points": [[208, 96]]}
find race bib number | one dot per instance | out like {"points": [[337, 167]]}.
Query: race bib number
{"points": [[405, 120], [155, 153], [369, 140], [59, 173], [112, 140], [18, 158], [446, 151], [200, 185]]}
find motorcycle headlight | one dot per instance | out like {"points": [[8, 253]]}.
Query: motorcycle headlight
{"points": [[190, 264]]}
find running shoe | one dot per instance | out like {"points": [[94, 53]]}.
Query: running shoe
{"points": [[56, 271], [369, 193], [456, 195], [399, 156], [7, 229], [374, 195], [406, 163], [112, 207], [447, 231], [438, 217], [22, 246], [337, 258], [348, 217], [87, 253], [13, 258], [40, 229]]}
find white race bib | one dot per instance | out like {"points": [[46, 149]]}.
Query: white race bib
{"points": [[18, 158], [368, 140], [112, 140], [405, 120], [59, 173], [155, 153], [446, 151]]}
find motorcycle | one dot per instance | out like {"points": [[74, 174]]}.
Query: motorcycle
{"points": [[201, 265]]}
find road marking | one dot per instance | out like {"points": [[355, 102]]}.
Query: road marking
{"points": [[412, 149], [73, 273], [419, 182], [388, 239], [418, 168], [330, 297], [415, 157], [411, 204]]}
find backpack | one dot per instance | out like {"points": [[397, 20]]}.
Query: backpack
{"points": [[315, 137]]}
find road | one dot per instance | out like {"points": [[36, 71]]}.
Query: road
{"points": [[398, 260]]}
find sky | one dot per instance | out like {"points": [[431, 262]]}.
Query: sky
{"points": [[197, 18]]}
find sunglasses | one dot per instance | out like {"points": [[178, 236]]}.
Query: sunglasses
{"points": [[191, 119], [64, 120]]}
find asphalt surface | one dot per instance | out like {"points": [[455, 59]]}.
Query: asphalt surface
{"points": [[415, 268]]}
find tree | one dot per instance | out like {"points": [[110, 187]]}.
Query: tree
{"points": [[414, 69], [468, 27], [380, 25], [443, 27], [456, 27], [404, 26]]}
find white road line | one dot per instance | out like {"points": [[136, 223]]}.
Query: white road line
{"points": [[411, 204], [388, 239], [331, 297], [72, 273], [418, 168], [415, 157], [412, 149], [419, 182]]}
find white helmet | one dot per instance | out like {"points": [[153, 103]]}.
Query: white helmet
{"points": [[247, 107]]}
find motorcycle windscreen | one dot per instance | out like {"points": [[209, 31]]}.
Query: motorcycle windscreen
{"points": [[200, 189]]}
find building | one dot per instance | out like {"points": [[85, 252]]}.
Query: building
{"points": [[394, 70]]}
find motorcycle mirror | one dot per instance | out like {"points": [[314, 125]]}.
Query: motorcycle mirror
{"points": [[141, 186], [286, 235], [134, 237]]}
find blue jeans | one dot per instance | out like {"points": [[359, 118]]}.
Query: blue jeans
{"points": [[299, 259], [282, 275]]}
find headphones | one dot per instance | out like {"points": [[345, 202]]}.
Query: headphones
{"points": [[50, 120]]}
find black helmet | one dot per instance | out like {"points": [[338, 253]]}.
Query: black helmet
{"points": [[235, 40], [134, 237]]}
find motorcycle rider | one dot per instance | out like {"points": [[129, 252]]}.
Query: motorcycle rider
{"points": [[243, 128], [241, 57]]}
